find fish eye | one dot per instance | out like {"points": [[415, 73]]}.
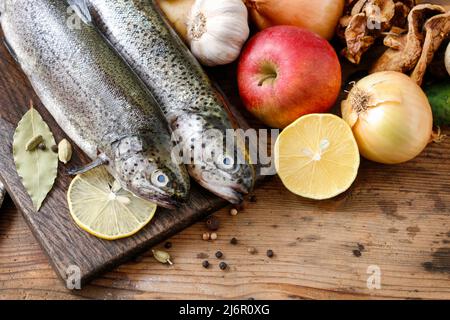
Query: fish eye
{"points": [[225, 162], [160, 179]]}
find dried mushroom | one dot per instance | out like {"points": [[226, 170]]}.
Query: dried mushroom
{"points": [[413, 50]]}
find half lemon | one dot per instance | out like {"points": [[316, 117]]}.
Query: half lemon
{"points": [[101, 207], [317, 156]]}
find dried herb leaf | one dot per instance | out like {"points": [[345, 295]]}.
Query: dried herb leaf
{"points": [[37, 168]]}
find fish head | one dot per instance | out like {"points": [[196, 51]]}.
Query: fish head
{"points": [[150, 173], [220, 166]]}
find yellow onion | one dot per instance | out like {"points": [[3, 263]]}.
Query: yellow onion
{"points": [[319, 16], [390, 117]]}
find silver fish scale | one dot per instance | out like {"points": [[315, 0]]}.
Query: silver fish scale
{"points": [[103, 100], [176, 79]]}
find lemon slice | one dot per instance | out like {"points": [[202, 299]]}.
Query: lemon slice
{"points": [[101, 207], [317, 156]]}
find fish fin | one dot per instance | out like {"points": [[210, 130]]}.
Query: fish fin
{"points": [[100, 161], [81, 9], [10, 50]]}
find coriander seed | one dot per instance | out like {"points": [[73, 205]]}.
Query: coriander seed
{"points": [[206, 236], [213, 236]]}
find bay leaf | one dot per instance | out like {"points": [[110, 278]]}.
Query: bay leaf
{"points": [[37, 168]]}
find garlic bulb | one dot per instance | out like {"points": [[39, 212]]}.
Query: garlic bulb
{"points": [[217, 30]]}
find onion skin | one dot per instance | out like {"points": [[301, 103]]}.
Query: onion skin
{"points": [[396, 122], [319, 16]]}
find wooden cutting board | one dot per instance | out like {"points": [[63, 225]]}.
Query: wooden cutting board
{"points": [[65, 244]]}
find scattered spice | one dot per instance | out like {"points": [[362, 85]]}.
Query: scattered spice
{"points": [[33, 143], [213, 236], [168, 245], [206, 236], [251, 250], [162, 256], [219, 254], [205, 264], [361, 247], [54, 148], [213, 223], [234, 241], [269, 253], [234, 212], [223, 265]]}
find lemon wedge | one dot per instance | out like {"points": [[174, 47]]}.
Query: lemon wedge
{"points": [[317, 156], [101, 207]]}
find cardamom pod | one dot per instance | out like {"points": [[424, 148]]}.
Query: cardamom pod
{"points": [[162, 256], [64, 151], [34, 142]]}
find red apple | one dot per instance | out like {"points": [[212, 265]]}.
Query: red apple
{"points": [[286, 72]]}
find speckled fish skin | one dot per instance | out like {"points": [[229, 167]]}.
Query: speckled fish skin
{"points": [[95, 97], [188, 99]]}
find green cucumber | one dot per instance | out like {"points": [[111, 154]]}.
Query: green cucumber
{"points": [[439, 97]]}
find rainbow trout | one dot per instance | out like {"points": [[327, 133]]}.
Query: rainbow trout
{"points": [[95, 97], [192, 106]]}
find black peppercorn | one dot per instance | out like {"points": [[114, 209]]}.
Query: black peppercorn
{"points": [[213, 223], [205, 264], [233, 241], [55, 148], [223, 266], [219, 254], [270, 253], [168, 245]]}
